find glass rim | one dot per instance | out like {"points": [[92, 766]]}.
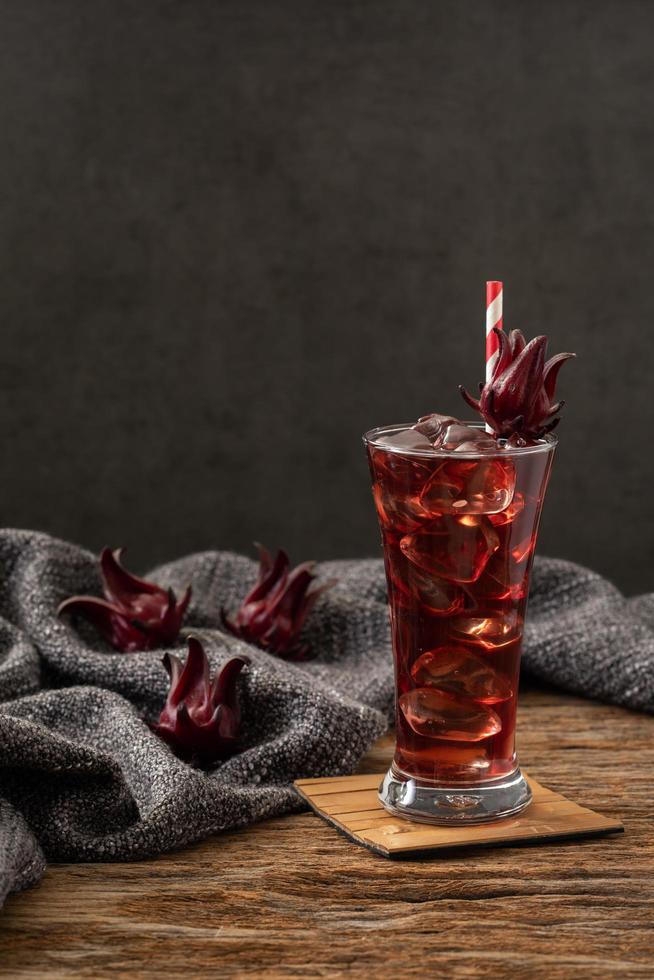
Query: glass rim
{"points": [[548, 443]]}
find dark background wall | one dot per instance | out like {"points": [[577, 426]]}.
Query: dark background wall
{"points": [[236, 234]]}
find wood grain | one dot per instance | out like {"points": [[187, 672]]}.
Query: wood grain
{"points": [[257, 904], [351, 805]]}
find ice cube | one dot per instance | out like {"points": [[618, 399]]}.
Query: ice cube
{"points": [[398, 480], [402, 474], [431, 713], [460, 438], [436, 597], [433, 426], [406, 440], [443, 493], [491, 632], [509, 514], [503, 578], [467, 487], [457, 671], [397, 511], [453, 548]]}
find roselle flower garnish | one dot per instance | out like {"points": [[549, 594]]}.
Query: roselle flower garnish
{"points": [[273, 613], [519, 398], [135, 614], [202, 717]]}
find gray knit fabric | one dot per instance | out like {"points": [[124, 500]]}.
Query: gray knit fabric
{"points": [[82, 777]]}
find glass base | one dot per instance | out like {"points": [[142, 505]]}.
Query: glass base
{"points": [[460, 803]]}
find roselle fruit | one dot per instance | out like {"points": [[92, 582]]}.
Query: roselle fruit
{"points": [[273, 613], [202, 717], [519, 398], [135, 614]]}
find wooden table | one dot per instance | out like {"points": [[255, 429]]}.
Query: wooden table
{"points": [[290, 897]]}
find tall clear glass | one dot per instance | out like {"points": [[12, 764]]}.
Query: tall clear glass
{"points": [[458, 533]]}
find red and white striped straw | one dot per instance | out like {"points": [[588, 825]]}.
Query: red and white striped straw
{"points": [[494, 295]]}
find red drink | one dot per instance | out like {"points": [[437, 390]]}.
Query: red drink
{"points": [[459, 528]]}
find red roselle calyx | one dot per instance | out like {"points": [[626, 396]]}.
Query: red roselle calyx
{"points": [[519, 398], [202, 717], [135, 614], [273, 613]]}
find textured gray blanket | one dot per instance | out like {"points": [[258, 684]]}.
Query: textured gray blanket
{"points": [[82, 777]]}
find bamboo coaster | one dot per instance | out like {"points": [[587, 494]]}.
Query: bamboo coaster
{"points": [[350, 804]]}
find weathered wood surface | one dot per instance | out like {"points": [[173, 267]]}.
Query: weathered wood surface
{"points": [[291, 897]]}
